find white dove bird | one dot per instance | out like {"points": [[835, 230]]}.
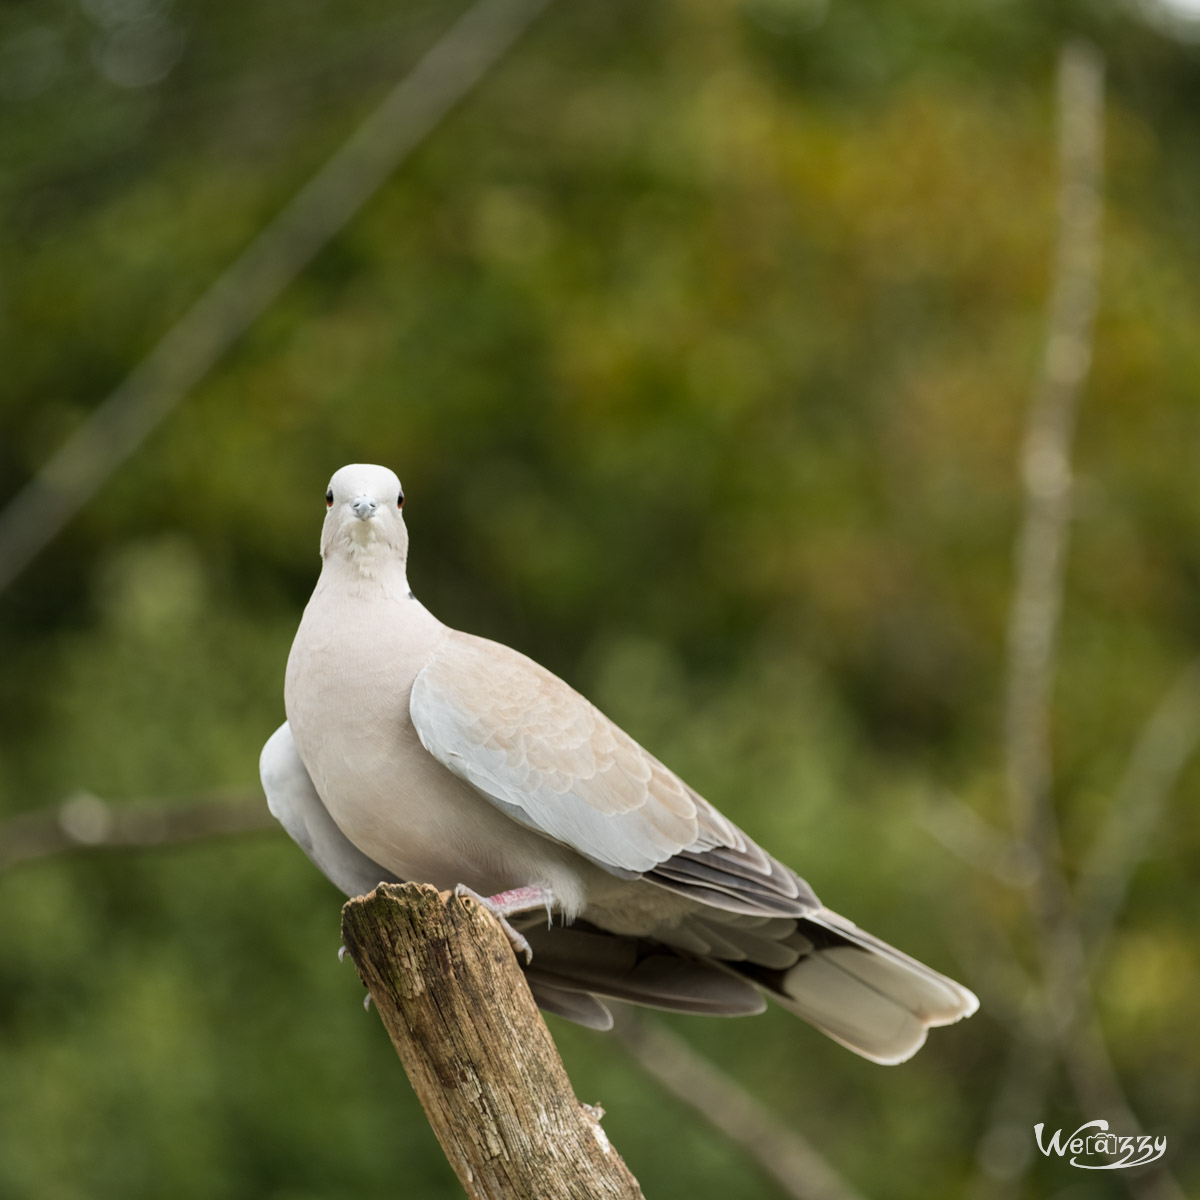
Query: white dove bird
{"points": [[413, 751]]}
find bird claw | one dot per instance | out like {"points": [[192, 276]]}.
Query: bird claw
{"points": [[341, 953], [517, 940], [367, 1002]]}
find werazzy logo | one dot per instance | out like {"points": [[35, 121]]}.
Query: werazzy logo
{"points": [[1121, 1151]]}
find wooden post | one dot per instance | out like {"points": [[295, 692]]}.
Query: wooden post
{"points": [[458, 1010]]}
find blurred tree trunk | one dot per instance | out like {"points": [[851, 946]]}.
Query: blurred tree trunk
{"points": [[459, 1012]]}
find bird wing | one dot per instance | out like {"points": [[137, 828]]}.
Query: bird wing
{"points": [[553, 762]]}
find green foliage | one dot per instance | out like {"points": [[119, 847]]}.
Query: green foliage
{"points": [[701, 337]]}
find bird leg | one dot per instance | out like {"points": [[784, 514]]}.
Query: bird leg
{"points": [[508, 904]]}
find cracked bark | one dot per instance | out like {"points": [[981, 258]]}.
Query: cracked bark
{"points": [[448, 989]]}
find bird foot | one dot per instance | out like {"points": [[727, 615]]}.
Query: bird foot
{"points": [[507, 904]]}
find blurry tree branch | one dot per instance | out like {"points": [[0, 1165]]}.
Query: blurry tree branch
{"points": [[976, 842], [451, 995], [86, 822], [1045, 456], [1061, 1024], [799, 1169], [206, 331], [993, 968], [1165, 745]]}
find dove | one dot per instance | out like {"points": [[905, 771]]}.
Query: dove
{"points": [[414, 751]]}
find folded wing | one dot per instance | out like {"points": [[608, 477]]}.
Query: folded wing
{"points": [[553, 762]]}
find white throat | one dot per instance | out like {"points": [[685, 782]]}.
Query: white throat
{"points": [[365, 564]]}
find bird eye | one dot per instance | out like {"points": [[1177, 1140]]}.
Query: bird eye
{"points": [[400, 500], [329, 498]]}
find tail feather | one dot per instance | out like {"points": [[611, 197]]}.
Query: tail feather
{"points": [[855, 988], [838, 1003], [863, 993], [580, 959], [580, 1007]]}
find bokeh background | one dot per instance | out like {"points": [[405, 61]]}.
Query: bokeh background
{"points": [[702, 335]]}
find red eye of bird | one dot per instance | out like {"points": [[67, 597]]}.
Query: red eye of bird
{"points": [[329, 498], [400, 500]]}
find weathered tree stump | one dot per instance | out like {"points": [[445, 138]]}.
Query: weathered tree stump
{"points": [[479, 1056]]}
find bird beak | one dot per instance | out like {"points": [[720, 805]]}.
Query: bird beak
{"points": [[364, 508]]}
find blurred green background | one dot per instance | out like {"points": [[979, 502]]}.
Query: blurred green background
{"points": [[702, 337]]}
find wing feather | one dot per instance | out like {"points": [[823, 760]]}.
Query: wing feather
{"points": [[553, 762]]}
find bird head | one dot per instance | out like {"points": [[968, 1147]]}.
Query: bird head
{"points": [[364, 521]]}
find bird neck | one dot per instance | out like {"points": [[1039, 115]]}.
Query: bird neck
{"points": [[365, 568]]}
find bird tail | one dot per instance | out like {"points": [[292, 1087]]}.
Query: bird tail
{"points": [[855, 988], [858, 990], [575, 966]]}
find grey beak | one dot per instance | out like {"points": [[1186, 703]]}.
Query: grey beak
{"points": [[364, 508]]}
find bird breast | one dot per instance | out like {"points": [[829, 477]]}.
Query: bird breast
{"points": [[384, 791]]}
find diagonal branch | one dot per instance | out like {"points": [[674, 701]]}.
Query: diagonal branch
{"points": [[801, 1171], [1163, 748], [202, 336], [954, 824]]}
